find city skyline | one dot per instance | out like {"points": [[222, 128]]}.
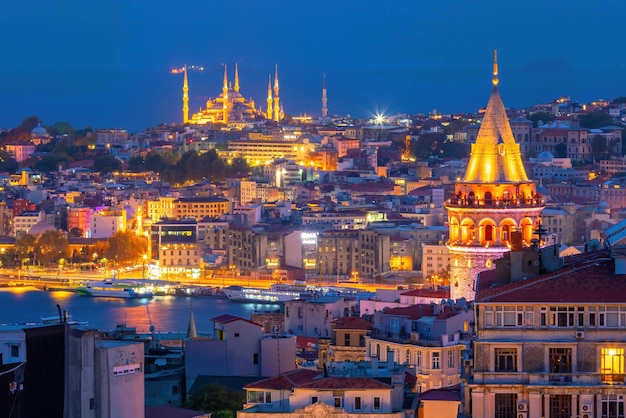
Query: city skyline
{"points": [[109, 65]]}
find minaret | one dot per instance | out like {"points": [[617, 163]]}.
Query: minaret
{"points": [[225, 97], [495, 208], [276, 97], [185, 96], [324, 99], [269, 97], [225, 86], [236, 77]]}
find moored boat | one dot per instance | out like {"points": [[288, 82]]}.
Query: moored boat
{"points": [[275, 294], [116, 289]]}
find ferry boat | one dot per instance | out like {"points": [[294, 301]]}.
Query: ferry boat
{"points": [[275, 294], [116, 289]]}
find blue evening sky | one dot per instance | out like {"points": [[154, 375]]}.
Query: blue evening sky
{"points": [[106, 63]]}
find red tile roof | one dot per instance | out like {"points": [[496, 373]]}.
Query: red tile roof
{"points": [[338, 383], [285, 381], [412, 312], [452, 393], [439, 293], [226, 318], [352, 323], [585, 278]]}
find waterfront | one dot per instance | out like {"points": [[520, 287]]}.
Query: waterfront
{"points": [[168, 313]]}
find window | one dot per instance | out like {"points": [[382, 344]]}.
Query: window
{"points": [[313, 399], [346, 339], [613, 406], [562, 316], [506, 405], [259, 396], [560, 406], [436, 361], [255, 358], [419, 358], [236, 334], [376, 404], [450, 358], [505, 360], [357, 403], [612, 364], [560, 360], [15, 351], [337, 401]]}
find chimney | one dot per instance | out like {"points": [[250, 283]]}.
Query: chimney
{"points": [[374, 358], [390, 362]]}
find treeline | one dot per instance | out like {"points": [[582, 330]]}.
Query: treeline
{"points": [[49, 248], [177, 168]]}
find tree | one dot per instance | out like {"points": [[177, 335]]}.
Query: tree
{"points": [[598, 145], [216, 398], [595, 120], [75, 233], [51, 246], [7, 162], [25, 246], [544, 117], [106, 164], [135, 164], [560, 150], [127, 247]]}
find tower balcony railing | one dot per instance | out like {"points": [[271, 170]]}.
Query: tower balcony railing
{"points": [[465, 202]]}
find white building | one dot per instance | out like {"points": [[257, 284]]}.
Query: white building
{"points": [[106, 223]]}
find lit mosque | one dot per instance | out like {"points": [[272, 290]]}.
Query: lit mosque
{"points": [[495, 208], [231, 106]]}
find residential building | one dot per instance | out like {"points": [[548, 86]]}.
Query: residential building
{"points": [[429, 338], [105, 223], [346, 342], [238, 347], [552, 345], [200, 208], [313, 317], [305, 393]]}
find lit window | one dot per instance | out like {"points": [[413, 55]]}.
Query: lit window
{"points": [[612, 364]]}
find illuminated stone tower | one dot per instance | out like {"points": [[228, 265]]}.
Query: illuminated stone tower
{"points": [[269, 97], [185, 96], [495, 206], [276, 97], [324, 99]]}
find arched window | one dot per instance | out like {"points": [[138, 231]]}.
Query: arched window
{"points": [[488, 198], [506, 233], [488, 232]]}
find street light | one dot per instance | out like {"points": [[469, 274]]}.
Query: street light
{"points": [[143, 267]]}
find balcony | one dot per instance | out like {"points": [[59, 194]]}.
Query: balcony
{"points": [[548, 379], [456, 202]]}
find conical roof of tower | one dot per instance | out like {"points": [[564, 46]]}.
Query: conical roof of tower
{"points": [[191, 329], [495, 156]]}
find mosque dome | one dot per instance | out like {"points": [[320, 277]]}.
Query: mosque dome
{"points": [[603, 207], [39, 131], [40, 227], [545, 157]]}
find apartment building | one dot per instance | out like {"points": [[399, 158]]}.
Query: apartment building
{"points": [[552, 345]]}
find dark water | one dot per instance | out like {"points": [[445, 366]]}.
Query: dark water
{"points": [[168, 313]]}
